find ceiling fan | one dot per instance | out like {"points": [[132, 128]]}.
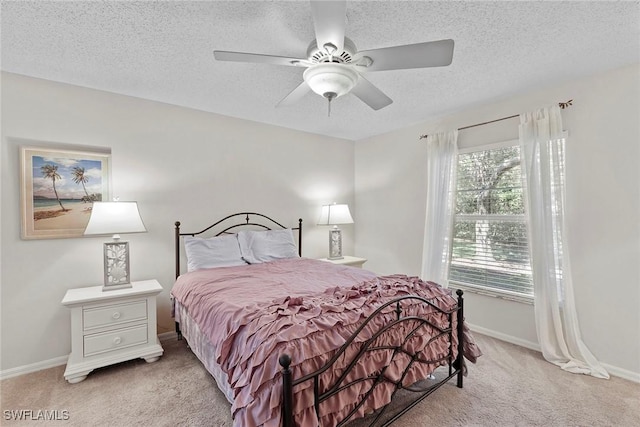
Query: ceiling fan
{"points": [[334, 66]]}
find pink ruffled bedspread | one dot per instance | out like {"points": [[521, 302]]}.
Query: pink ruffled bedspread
{"points": [[307, 308]]}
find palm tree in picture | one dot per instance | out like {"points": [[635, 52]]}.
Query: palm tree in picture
{"points": [[79, 177], [51, 172]]}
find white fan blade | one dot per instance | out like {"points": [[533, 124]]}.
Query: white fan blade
{"points": [[223, 55], [370, 95], [295, 95], [419, 55], [329, 21]]}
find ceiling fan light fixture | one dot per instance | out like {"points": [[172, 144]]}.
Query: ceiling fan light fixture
{"points": [[330, 78]]}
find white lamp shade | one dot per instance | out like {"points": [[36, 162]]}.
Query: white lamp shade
{"points": [[335, 214], [114, 218], [331, 78]]}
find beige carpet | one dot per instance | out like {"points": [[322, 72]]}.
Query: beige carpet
{"points": [[510, 386]]}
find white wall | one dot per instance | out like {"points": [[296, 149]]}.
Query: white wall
{"points": [[179, 164], [603, 208]]}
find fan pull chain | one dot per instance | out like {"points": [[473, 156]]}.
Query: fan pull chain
{"points": [[330, 96]]}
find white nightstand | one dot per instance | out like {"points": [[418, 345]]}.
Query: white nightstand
{"points": [[111, 327], [347, 260]]}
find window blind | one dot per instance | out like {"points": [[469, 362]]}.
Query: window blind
{"points": [[490, 246]]}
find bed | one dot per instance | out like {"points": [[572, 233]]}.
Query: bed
{"points": [[293, 341]]}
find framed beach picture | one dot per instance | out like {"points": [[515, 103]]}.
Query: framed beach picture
{"points": [[58, 188]]}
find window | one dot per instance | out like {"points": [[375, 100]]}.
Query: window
{"points": [[490, 251]]}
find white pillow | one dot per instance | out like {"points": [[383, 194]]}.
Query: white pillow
{"points": [[221, 251], [264, 246]]}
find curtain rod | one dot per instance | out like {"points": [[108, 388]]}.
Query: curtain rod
{"points": [[562, 105]]}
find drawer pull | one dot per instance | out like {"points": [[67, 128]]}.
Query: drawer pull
{"points": [[117, 340], [116, 315]]}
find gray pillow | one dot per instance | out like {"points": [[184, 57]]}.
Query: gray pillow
{"points": [[221, 251], [264, 246]]}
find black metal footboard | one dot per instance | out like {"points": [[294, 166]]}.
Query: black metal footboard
{"points": [[454, 361]]}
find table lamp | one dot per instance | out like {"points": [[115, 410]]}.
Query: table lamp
{"points": [[335, 215], [115, 218]]}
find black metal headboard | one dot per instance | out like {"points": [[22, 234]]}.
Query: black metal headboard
{"points": [[251, 219]]}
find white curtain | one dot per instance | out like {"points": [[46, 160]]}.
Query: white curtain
{"points": [[542, 157], [442, 157]]}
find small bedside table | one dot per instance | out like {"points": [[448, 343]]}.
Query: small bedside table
{"points": [[111, 327], [347, 260]]}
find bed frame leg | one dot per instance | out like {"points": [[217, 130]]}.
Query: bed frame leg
{"points": [[287, 391], [460, 327], [178, 332]]}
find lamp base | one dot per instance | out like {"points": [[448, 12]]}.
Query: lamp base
{"points": [[116, 266], [335, 243]]}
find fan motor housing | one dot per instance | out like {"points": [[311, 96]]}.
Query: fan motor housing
{"points": [[318, 55]]}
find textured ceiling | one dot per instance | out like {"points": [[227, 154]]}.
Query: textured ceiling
{"points": [[163, 51]]}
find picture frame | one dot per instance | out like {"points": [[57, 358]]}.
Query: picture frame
{"points": [[58, 187]]}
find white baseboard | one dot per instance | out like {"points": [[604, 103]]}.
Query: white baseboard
{"points": [[166, 336], [504, 337], [622, 373], [34, 367], [613, 370], [57, 361]]}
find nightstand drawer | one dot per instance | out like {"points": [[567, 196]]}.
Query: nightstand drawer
{"points": [[108, 341], [114, 314]]}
